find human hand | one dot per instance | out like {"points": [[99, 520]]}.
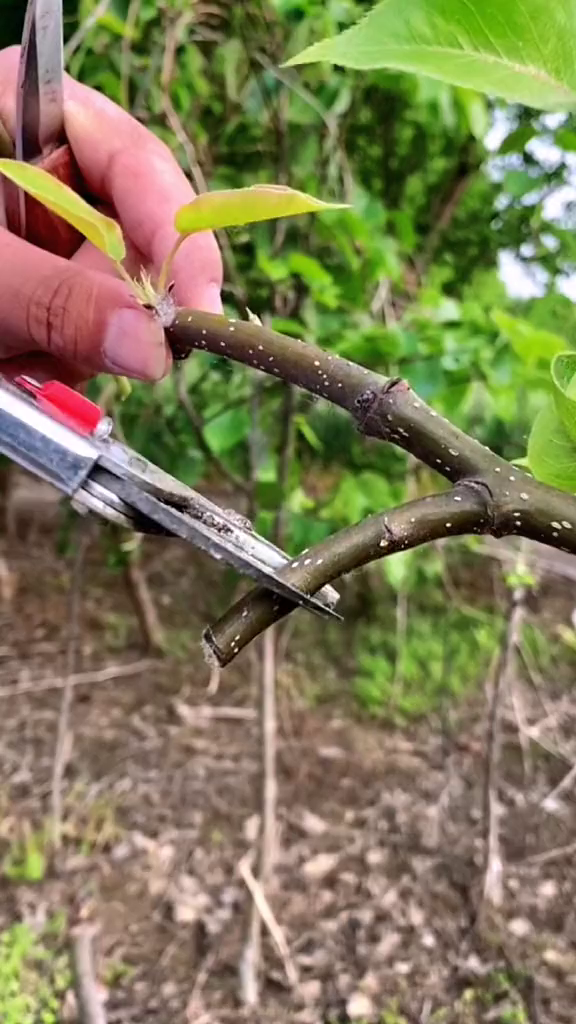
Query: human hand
{"points": [[72, 319]]}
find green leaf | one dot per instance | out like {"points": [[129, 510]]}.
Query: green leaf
{"points": [[475, 108], [529, 343], [566, 139], [236, 206], [519, 184], [564, 379], [521, 50], [227, 430], [551, 452], [518, 139], [102, 231], [302, 425]]}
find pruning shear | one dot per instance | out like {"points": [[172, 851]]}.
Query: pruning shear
{"points": [[57, 433]]}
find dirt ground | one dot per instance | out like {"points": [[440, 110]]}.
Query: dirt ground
{"points": [[380, 874]]}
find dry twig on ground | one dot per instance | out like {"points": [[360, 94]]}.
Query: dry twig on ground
{"points": [[64, 741], [88, 991]]}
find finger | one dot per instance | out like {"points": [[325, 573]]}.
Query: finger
{"points": [[133, 170], [129, 167], [74, 314], [91, 258]]}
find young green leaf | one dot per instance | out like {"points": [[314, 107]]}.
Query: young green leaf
{"points": [[564, 380], [233, 207], [530, 343], [551, 452], [102, 231], [522, 50]]}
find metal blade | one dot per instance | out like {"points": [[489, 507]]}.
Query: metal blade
{"points": [[222, 541], [39, 99]]}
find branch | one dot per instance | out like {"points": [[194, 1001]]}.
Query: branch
{"points": [[143, 602], [453, 513], [88, 991], [63, 746], [198, 425], [511, 501], [388, 409]]}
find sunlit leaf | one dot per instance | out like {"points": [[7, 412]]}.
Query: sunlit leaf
{"points": [[519, 184], [564, 380], [228, 430], [518, 139], [530, 343], [522, 50], [551, 452], [233, 207], [102, 231], [302, 425], [475, 108], [566, 139]]}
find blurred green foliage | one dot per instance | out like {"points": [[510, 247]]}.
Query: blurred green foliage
{"points": [[406, 282], [34, 974]]}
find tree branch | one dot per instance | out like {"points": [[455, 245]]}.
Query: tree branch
{"points": [[453, 513], [498, 498]]}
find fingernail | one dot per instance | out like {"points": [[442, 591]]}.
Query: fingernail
{"points": [[134, 345]]}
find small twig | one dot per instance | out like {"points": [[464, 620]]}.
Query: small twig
{"points": [[78, 37], [191, 713], [126, 53], [551, 855], [7, 585], [214, 680], [521, 726], [63, 737], [143, 602], [250, 963], [564, 784], [86, 987], [193, 1014], [267, 916], [197, 425], [174, 37], [250, 960], [102, 675], [494, 868]]}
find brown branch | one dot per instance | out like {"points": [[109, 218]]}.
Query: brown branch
{"points": [[493, 892], [250, 963], [387, 408], [453, 513], [88, 992], [62, 750], [463, 176], [101, 675], [512, 502], [143, 602]]}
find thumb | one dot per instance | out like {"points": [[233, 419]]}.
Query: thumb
{"points": [[75, 314]]}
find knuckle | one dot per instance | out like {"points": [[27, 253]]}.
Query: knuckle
{"points": [[60, 312]]}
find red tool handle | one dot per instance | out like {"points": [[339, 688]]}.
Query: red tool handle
{"points": [[64, 404]]}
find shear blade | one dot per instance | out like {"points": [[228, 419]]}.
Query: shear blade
{"points": [[40, 103], [224, 544]]}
